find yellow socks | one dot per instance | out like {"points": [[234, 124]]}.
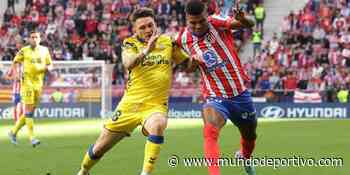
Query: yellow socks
{"points": [[152, 150], [30, 126], [19, 124], [89, 159]]}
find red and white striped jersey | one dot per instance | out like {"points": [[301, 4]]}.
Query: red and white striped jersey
{"points": [[221, 69], [16, 86]]}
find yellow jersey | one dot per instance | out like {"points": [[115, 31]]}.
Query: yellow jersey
{"points": [[150, 80], [34, 62]]}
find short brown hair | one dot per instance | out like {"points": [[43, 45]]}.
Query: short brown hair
{"points": [[34, 31], [141, 13]]}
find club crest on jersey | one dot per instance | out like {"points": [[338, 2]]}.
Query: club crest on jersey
{"points": [[211, 60]]}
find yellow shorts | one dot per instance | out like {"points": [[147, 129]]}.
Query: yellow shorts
{"points": [[128, 116], [30, 96]]}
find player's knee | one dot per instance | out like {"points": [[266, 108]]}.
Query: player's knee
{"points": [[156, 126], [210, 115], [95, 152], [28, 108]]}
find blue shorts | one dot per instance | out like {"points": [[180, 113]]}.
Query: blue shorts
{"points": [[16, 98], [239, 109]]}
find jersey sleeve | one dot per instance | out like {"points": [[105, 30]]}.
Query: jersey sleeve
{"points": [[179, 55], [177, 39], [221, 23], [19, 56]]}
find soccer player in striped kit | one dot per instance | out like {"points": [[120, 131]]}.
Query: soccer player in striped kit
{"points": [[211, 42], [16, 89]]}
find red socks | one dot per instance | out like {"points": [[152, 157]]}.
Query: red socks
{"points": [[211, 147], [247, 147]]}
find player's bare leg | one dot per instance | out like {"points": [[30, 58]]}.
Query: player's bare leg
{"points": [[154, 126], [213, 122], [104, 143]]}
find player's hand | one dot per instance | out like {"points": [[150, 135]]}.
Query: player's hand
{"points": [[239, 14], [192, 64], [152, 41]]}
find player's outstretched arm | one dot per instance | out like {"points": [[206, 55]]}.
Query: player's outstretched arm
{"points": [[130, 58]]}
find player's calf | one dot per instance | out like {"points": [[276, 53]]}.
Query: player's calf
{"points": [[213, 122], [155, 126], [248, 137], [95, 152]]}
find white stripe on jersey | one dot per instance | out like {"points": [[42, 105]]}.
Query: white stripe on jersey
{"points": [[227, 52], [213, 74], [224, 68]]}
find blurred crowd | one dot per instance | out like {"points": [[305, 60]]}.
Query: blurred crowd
{"points": [[311, 54], [87, 29]]}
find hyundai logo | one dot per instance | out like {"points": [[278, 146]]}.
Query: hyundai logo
{"points": [[272, 112]]}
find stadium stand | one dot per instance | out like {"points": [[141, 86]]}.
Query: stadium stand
{"points": [[89, 30], [312, 54], [310, 49]]}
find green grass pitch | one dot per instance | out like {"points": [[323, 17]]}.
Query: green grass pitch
{"points": [[65, 141]]}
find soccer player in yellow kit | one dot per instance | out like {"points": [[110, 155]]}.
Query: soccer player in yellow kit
{"points": [[148, 57], [36, 61]]}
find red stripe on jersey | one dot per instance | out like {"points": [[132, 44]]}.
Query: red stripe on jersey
{"points": [[219, 72], [204, 88], [227, 79], [189, 40], [219, 23], [183, 35], [16, 87], [231, 79], [233, 52], [211, 82], [233, 74], [226, 42]]}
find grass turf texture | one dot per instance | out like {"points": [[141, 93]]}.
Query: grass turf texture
{"points": [[65, 141]]}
